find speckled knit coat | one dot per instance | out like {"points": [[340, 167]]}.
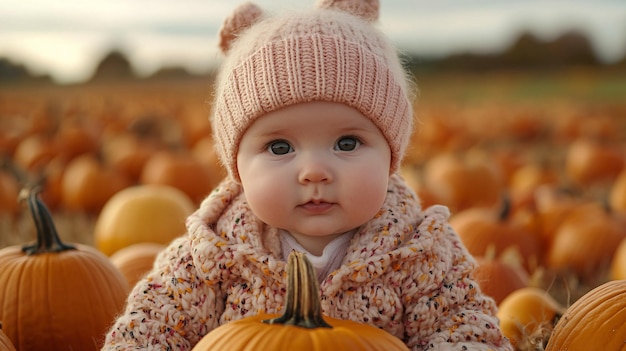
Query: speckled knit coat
{"points": [[405, 271]]}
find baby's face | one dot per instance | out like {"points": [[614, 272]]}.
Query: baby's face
{"points": [[315, 169]]}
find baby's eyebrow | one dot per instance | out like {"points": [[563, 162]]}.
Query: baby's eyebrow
{"points": [[356, 129], [278, 134]]}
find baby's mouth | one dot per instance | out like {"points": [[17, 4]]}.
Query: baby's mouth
{"points": [[317, 206]]}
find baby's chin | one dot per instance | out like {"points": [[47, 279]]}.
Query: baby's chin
{"points": [[319, 231], [321, 235]]}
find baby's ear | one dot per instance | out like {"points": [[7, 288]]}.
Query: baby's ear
{"points": [[366, 9], [244, 16]]}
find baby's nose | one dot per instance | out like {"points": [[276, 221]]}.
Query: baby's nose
{"points": [[314, 169]]}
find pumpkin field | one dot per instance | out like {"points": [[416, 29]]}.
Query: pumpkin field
{"points": [[96, 178]]}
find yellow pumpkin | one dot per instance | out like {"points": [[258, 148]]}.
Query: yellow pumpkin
{"points": [[136, 260], [301, 327], [56, 296], [595, 321], [142, 213], [618, 263], [527, 317]]}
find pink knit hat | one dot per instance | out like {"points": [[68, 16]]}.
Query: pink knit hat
{"points": [[332, 53]]}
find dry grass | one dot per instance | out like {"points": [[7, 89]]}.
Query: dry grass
{"points": [[72, 228]]}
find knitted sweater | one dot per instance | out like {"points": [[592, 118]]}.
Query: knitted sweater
{"points": [[405, 271]]}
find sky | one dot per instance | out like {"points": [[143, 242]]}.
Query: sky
{"points": [[66, 39]]}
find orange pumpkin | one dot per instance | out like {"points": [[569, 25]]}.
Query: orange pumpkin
{"points": [[498, 278], [527, 317], [412, 177], [56, 296], [9, 205], [204, 151], [12, 129], [526, 179], [52, 183], [87, 184], [589, 161], [34, 152], [128, 153], [142, 213], [302, 326], [508, 161], [195, 127], [180, 170], [463, 181], [484, 229], [75, 139], [551, 205], [136, 260], [617, 194], [437, 133], [585, 241], [595, 321]]}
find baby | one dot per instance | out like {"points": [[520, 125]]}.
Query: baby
{"points": [[311, 118]]}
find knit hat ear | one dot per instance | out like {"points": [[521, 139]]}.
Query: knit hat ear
{"points": [[244, 16], [366, 9]]}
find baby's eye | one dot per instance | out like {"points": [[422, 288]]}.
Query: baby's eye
{"points": [[279, 147], [347, 143]]}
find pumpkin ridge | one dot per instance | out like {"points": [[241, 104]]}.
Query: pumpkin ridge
{"points": [[92, 270], [610, 296], [594, 319]]}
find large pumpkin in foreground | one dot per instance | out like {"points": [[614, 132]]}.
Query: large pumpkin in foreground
{"points": [[302, 327], [55, 296], [596, 321]]}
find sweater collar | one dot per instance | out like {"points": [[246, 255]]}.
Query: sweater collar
{"points": [[239, 234]]}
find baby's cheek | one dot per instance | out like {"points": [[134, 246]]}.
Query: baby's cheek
{"points": [[268, 201]]}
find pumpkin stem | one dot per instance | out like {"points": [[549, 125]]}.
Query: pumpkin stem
{"points": [[505, 210], [47, 237], [303, 307]]}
